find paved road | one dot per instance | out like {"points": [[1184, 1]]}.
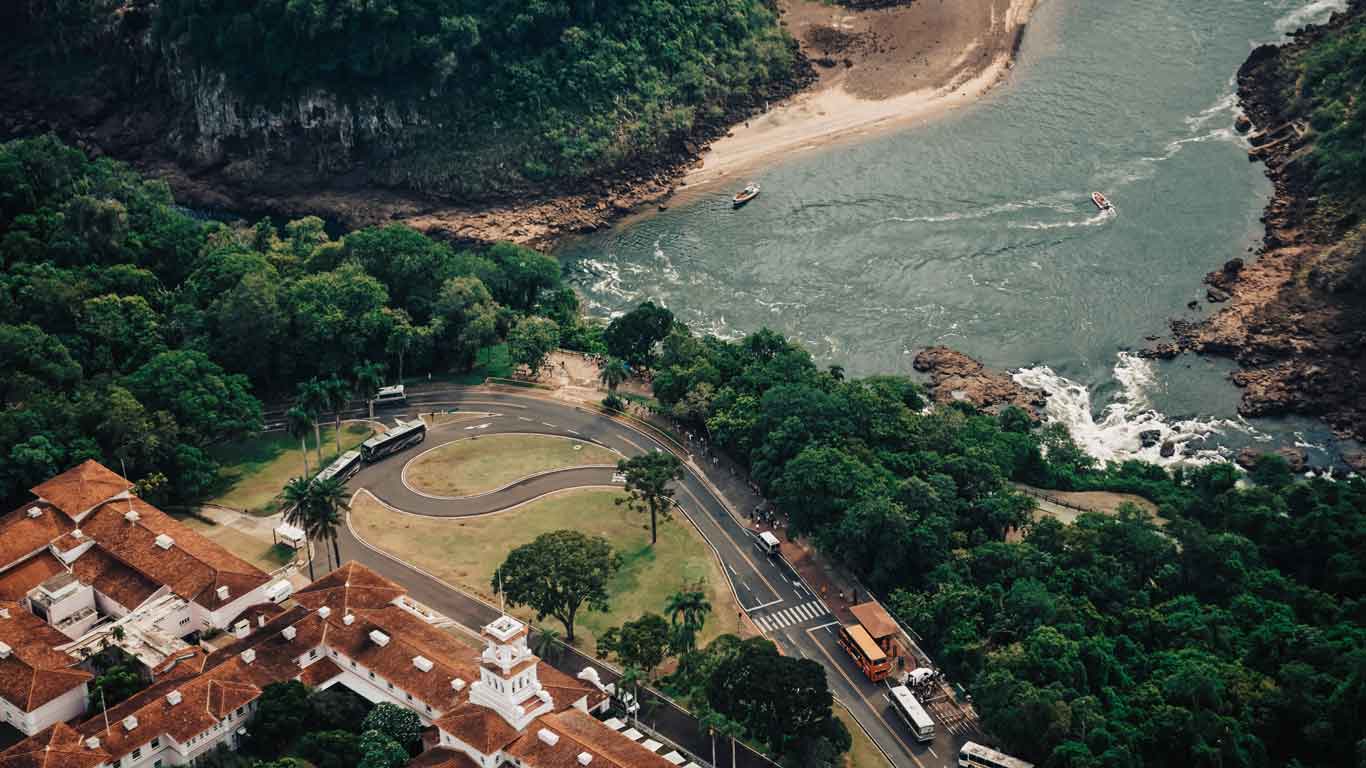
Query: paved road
{"points": [[772, 594]]}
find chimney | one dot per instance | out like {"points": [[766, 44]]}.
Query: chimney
{"points": [[585, 758], [223, 592], [249, 655], [379, 637], [5, 650], [457, 684], [241, 629], [130, 722], [349, 619], [132, 516], [173, 698], [78, 534], [423, 663], [93, 742], [548, 736], [289, 633], [260, 620], [35, 513], [4, 613], [324, 611]]}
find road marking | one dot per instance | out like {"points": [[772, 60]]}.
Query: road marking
{"points": [[547, 424], [763, 605], [932, 752], [733, 572], [826, 626], [788, 616], [478, 426], [523, 418], [573, 432]]}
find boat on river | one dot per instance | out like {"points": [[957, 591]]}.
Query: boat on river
{"points": [[745, 195], [1101, 202]]}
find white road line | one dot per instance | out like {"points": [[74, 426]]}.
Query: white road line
{"points": [[573, 432], [547, 424], [523, 418], [932, 752], [827, 626]]}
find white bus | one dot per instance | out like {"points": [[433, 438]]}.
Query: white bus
{"points": [[915, 715], [343, 468], [974, 755], [400, 437], [390, 395]]}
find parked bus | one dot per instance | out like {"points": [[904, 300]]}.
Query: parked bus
{"points": [[343, 468], [915, 715], [854, 639], [974, 755], [390, 395], [405, 435]]}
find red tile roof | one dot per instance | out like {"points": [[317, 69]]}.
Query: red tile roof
{"points": [[439, 757], [194, 567], [113, 579], [21, 535], [34, 673], [58, 746], [17, 581], [580, 732], [350, 587], [81, 487], [479, 727], [319, 672]]}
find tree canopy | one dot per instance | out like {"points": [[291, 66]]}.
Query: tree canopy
{"points": [[557, 574]]}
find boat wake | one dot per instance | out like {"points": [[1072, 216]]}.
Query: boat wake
{"points": [[1056, 202], [1119, 432]]}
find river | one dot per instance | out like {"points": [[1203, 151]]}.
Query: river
{"points": [[977, 230]]}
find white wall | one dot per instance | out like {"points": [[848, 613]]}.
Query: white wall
{"points": [[202, 617], [65, 707]]}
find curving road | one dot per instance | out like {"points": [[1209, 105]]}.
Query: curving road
{"points": [[769, 591]]}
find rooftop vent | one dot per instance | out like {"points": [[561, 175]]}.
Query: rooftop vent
{"points": [[548, 736], [241, 629], [457, 684], [164, 541], [223, 592], [5, 650], [423, 663], [324, 611], [349, 619], [130, 722], [173, 698], [4, 613], [289, 633], [379, 637], [35, 512], [78, 534], [93, 742], [585, 758], [249, 655], [132, 516]]}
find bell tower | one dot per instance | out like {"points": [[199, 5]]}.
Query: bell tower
{"points": [[507, 681]]}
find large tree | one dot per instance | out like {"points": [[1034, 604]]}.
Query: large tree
{"points": [[531, 341], [558, 574], [642, 643], [206, 402], [633, 336], [648, 477]]}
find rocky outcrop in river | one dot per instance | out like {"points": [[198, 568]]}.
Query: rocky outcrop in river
{"points": [[955, 377]]}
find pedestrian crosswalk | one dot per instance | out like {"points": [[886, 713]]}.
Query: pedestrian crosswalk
{"points": [[789, 616]]}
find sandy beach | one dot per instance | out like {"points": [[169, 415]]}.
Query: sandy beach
{"points": [[880, 69]]}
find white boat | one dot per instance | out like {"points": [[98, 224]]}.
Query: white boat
{"points": [[745, 195], [1101, 202]]}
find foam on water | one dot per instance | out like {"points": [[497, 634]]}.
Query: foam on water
{"points": [[1114, 435], [1315, 12]]}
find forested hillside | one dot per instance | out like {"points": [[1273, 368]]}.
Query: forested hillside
{"points": [[133, 333], [458, 97], [1233, 636]]}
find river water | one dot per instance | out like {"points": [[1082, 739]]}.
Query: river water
{"points": [[977, 230]]}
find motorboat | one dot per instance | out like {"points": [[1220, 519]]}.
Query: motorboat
{"points": [[745, 195], [1101, 202]]}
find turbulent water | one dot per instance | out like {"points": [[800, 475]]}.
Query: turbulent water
{"points": [[977, 231]]}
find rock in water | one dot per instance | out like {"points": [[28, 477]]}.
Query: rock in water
{"points": [[956, 377], [1168, 449], [1150, 437], [1296, 457]]}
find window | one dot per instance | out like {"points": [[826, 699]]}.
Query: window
{"points": [[137, 753], [313, 654], [156, 742], [410, 696], [157, 764], [239, 711], [372, 674]]}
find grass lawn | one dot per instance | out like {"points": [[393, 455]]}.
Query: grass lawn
{"points": [[255, 470], [863, 753], [258, 551], [475, 465], [466, 551]]}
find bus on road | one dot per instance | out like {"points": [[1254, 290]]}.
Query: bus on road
{"points": [[855, 641], [974, 755], [915, 715], [343, 468], [390, 396], [406, 434]]}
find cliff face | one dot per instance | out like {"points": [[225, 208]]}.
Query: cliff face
{"points": [[1295, 317]]}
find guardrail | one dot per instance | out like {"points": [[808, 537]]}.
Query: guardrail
{"points": [[1042, 494], [499, 381]]}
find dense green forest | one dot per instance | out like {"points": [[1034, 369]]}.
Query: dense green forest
{"points": [[491, 92], [1234, 635], [135, 334], [1329, 84]]}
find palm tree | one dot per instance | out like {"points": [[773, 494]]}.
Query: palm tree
{"points": [[688, 612], [298, 423], [312, 399], [731, 730], [329, 501], [298, 495], [547, 643], [613, 373], [337, 393], [368, 377]]}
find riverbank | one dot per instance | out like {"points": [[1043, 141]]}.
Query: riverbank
{"points": [[879, 69], [1292, 317]]}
